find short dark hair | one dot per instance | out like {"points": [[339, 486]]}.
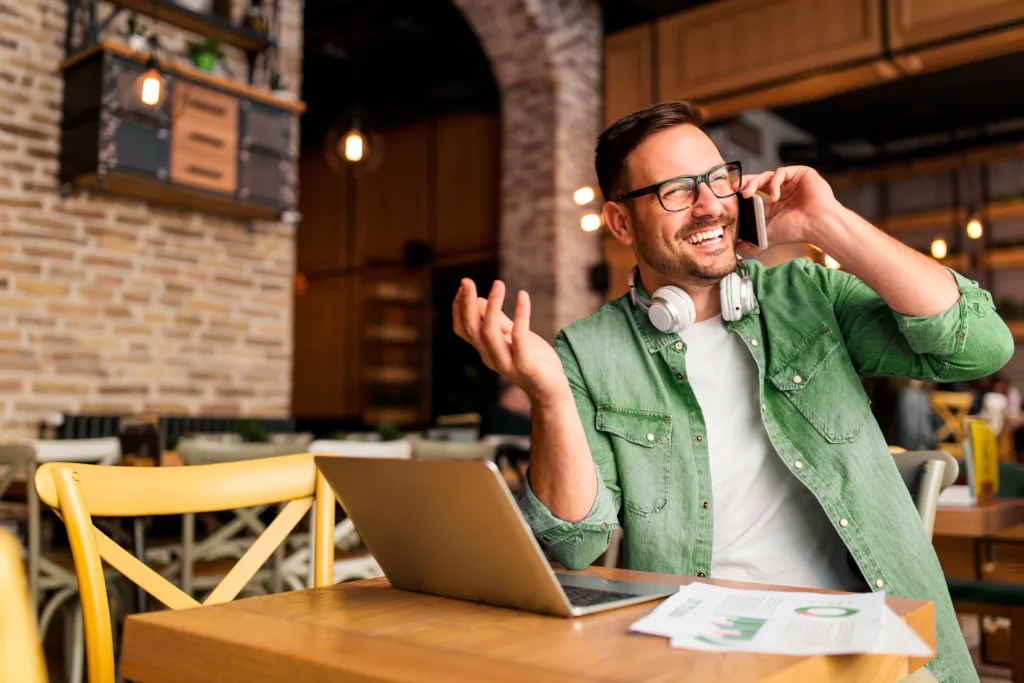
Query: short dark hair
{"points": [[618, 140]]}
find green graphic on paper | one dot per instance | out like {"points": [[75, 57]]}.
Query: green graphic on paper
{"points": [[729, 631], [827, 611]]}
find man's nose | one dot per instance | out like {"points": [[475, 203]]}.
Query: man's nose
{"points": [[707, 203]]}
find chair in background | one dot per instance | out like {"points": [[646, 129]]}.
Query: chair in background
{"points": [[77, 493], [926, 474], [21, 653], [952, 407], [424, 449]]}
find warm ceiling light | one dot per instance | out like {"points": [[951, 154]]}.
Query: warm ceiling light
{"points": [[831, 262], [590, 222], [584, 195], [939, 249], [150, 87], [974, 229], [355, 145]]}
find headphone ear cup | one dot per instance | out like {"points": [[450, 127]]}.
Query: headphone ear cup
{"points": [[671, 310], [732, 301]]}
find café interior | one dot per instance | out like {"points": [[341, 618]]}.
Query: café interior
{"points": [[232, 234]]}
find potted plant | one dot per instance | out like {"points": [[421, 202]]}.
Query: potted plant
{"points": [[205, 54], [136, 34]]}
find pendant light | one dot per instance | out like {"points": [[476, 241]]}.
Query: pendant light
{"points": [[151, 87]]}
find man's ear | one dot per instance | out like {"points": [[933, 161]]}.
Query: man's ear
{"points": [[618, 221]]}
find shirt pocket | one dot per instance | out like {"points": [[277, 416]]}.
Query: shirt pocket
{"points": [[820, 381], [642, 442]]}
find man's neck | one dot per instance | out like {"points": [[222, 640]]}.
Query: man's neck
{"points": [[707, 301]]}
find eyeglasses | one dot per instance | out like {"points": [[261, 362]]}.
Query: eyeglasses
{"points": [[681, 192]]}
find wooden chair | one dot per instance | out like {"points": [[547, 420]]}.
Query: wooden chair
{"points": [[21, 652], [952, 407], [77, 493], [926, 474]]}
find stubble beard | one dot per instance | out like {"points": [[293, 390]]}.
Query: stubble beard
{"points": [[676, 263]]}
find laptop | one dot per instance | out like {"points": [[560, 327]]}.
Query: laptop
{"points": [[451, 528]]}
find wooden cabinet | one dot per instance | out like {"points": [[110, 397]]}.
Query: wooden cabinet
{"points": [[186, 152], [628, 72], [724, 47], [465, 185], [914, 22]]}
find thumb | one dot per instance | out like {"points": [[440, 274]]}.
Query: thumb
{"points": [[746, 250]]}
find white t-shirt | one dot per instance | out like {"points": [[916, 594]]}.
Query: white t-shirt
{"points": [[768, 528]]}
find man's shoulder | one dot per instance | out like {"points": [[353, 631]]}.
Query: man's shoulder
{"points": [[614, 314]]}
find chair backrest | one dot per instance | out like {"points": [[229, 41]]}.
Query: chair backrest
{"points": [[14, 458], [77, 493], [104, 451], [422, 449], [927, 474], [21, 652], [952, 407], [201, 451], [399, 448]]}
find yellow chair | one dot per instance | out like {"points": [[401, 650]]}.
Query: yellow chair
{"points": [[79, 492], [21, 653]]}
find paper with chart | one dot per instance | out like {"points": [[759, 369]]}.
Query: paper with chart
{"points": [[717, 619]]}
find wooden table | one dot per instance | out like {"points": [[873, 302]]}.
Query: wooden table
{"points": [[367, 631], [981, 520]]}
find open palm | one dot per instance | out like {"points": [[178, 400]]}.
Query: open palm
{"points": [[507, 346]]}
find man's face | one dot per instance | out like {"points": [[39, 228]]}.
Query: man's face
{"points": [[696, 245]]}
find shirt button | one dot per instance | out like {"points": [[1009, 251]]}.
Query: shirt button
{"points": [[844, 522], [650, 437], [701, 575], [705, 505], [679, 375], [880, 583], [960, 334], [798, 464], [699, 438], [753, 342], [763, 407], [679, 346], [797, 379], [604, 526]]}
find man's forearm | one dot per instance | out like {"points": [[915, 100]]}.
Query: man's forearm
{"points": [[562, 473], [910, 282]]}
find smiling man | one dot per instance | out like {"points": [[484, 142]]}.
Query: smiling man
{"points": [[716, 411]]}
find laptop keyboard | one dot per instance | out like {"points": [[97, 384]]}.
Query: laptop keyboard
{"points": [[586, 597]]}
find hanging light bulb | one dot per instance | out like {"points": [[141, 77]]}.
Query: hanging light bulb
{"points": [[831, 262], [583, 196], [354, 144], [939, 249], [974, 228], [150, 86], [590, 222]]}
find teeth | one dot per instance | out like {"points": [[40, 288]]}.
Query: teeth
{"points": [[699, 237]]}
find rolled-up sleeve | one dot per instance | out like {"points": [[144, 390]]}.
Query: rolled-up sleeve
{"points": [[578, 544], [966, 341]]}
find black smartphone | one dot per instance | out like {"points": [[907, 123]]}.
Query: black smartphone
{"points": [[752, 225]]}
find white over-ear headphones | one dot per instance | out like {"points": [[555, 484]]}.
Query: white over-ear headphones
{"points": [[671, 309]]}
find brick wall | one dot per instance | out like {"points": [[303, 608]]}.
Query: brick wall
{"points": [[108, 305]]}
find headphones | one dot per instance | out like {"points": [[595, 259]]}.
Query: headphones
{"points": [[671, 309]]}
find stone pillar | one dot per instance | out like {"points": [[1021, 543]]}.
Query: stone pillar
{"points": [[546, 58]]}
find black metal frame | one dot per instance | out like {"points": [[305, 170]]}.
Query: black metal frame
{"points": [[704, 178], [94, 30]]}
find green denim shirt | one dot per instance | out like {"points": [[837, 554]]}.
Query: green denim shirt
{"points": [[813, 333]]}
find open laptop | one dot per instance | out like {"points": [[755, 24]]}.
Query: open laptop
{"points": [[451, 528]]}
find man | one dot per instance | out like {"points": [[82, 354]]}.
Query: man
{"points": [[738, 449], [510, 416]]}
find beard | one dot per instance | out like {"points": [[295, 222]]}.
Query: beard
{"points": [[673, 259]]}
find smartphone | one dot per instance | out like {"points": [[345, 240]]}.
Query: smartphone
{"points": [[752, 225]]}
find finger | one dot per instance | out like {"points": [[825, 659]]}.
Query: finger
{"points": [[470, 316], [457, 324], [506, 324], [775, 185], [521, 326], [490, 331], [756, 183]]}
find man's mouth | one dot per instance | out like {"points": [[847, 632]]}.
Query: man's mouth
{"points": [[706, 239]]}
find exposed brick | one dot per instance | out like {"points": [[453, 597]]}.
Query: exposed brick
{"points": [[104, 408], [229, 409], [47, 252], [132, 329], [123, 390], [108, 262], [63, 309], [177, 390], [42, 287], [59, 388], [20, 203], [22, 131], [97, 293], [10, 386], [32, 320], [19, 267]]}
